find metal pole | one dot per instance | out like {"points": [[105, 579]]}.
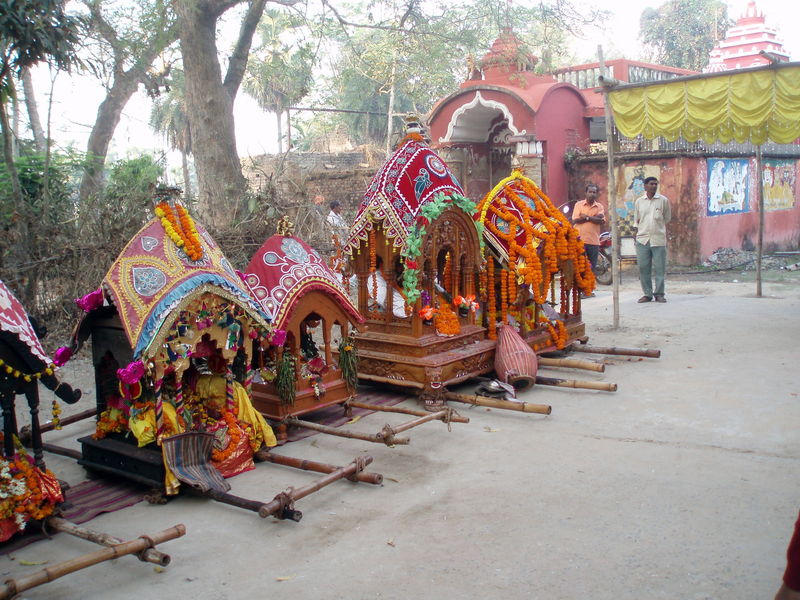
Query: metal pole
{"points": [[760, 243], [612, 194]]}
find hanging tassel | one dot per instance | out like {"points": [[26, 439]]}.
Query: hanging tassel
{"points": [[229, 390], [159, 411]]}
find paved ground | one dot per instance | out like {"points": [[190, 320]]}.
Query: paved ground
{"points": [[682, 485]]}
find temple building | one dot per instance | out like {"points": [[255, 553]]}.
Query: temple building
{"points": [[744, 43]]}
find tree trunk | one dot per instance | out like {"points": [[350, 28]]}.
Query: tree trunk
{"points": [[187, 183], [108, 116], [33, 111], [8, 156], [210, 111], [280, 133]]}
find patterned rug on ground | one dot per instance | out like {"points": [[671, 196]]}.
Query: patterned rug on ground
{"points": [[82, 503]]}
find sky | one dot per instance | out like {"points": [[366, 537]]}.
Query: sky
{"points": [[76, 99]]}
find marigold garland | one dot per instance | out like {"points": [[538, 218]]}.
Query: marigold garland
{"points": [[181, 229], [446, 321], [17, 374], [21, 496], [236, 437]]}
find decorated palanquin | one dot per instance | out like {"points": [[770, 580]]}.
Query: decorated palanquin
{"points": [[315, 367], [28, 490], [536, 268], [173, 330], [416, 252]]}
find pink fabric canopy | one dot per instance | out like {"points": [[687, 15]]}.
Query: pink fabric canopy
{"points": [[283, 270], [411, 177], [14, 321]]}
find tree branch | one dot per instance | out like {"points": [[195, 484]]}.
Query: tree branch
{"points": [[238, 60]]}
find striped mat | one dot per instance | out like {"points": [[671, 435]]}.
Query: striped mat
{"points": [[189, 457]]}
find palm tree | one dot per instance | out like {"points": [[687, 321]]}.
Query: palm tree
{"points": [[168, 117], [279, 74]]}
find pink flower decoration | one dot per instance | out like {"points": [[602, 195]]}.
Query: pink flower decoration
{"points": [[90, 301], [253, 334], [278, 337], [63, 355], [132, 373]]}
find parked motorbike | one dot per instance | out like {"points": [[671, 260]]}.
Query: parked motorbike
{"points": [[602, 271]]}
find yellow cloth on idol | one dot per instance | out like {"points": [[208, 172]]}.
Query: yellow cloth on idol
{"points": [[747, 105], [143, 426], [211, 389]]}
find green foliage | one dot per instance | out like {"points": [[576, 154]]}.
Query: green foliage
{"points": [[35, 30], [423, 48], [279, 70], [681, 33], [132, 180], [168, 115], [47, 189]]}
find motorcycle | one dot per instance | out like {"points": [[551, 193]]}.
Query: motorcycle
{"points": [[602, 272]]}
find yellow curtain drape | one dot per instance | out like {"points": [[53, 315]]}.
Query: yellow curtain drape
{"points": [[755, 106]]}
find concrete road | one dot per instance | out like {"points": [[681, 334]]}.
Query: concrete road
{"points": [[682, 485]]}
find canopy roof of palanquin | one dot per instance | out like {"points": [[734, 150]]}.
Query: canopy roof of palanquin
{"points": [[153, 279], [755, 105], [285, 269], [411, 177], [16, 328]]}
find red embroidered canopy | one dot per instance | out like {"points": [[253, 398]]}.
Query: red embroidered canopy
{"points": [[409, 179], [14, 321], [283, 270]]}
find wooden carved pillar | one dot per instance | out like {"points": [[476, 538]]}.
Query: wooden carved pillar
{"points": [[32, 396], [7, 395], [326, 338]]}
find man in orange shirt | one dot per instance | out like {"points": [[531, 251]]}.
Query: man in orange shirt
{"points": [[588, 216]]}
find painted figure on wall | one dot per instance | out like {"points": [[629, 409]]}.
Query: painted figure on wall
{"points": [[632, 182], [779, 178], [728, 184]]}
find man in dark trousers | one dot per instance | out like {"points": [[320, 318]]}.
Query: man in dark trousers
{"points": [[651, 213], [588, 217]]}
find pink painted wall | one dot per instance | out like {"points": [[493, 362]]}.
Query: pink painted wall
{"points": [[693, 235], [781, 227], [560, 124]]}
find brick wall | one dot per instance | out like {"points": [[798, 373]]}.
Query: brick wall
{"points": [[317, 177]]}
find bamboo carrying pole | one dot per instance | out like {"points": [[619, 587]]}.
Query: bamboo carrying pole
{"points": [[403, 410], [318, 467], [377, 438], [150, 555], [404, 383], [574, 383], [646, 352], [285, 499], [542, 409], [572, 363], [12, 587]]}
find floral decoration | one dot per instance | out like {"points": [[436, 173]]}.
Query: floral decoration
{"points": [[181, 229]]}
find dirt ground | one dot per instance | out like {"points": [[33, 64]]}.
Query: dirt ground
{"points": [[681, 485]]}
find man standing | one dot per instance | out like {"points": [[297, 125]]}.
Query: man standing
{"points": [[336, 221], [588, 216], [650, 217]]}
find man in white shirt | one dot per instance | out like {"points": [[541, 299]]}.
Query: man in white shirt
{"points": [[650, 217], [336, 221]]}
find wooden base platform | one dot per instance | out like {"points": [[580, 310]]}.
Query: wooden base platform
{"points": [[123, 458], [429, 363]]}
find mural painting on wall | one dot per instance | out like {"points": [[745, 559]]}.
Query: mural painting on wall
{"points": [[633, 187], [779, 183], [728, 185]]}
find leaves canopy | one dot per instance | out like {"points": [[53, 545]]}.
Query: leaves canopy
{"points": [[681, 33]]}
